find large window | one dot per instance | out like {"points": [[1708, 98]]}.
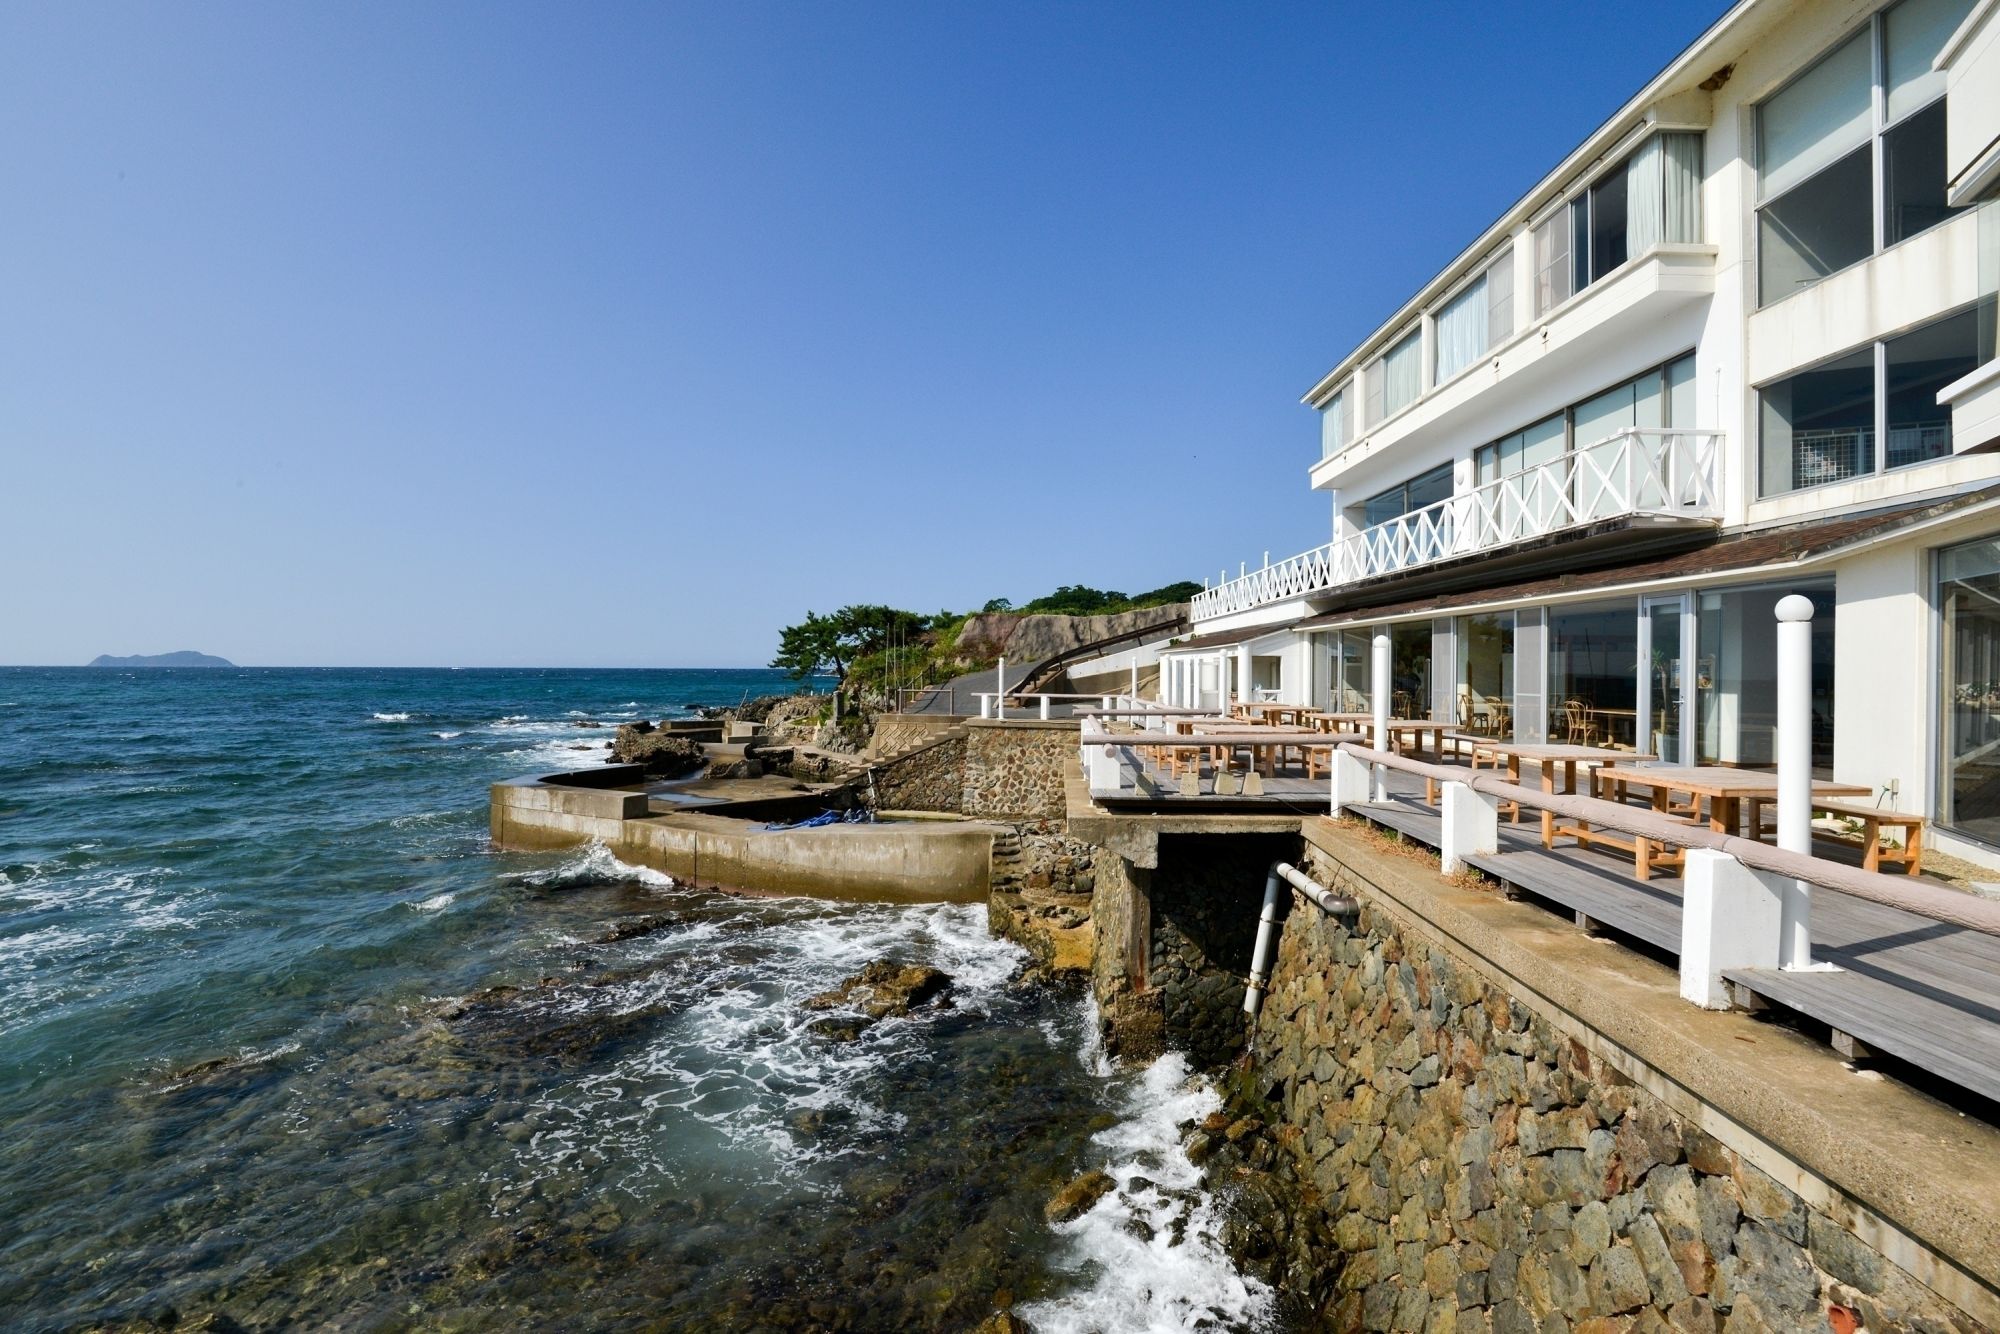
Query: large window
{"points": [[1872, 409], [1410, 670], [1823, 205], [1969, 699], [1402, 374], [1663, 396], [1651, 197], [1486, 674], [1594, 675], [1424, 489], [1336, 422], [1479, 317], [1736, 685]]}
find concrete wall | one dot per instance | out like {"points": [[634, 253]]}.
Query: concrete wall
{"points": [[1014, 770], [921, 861]]}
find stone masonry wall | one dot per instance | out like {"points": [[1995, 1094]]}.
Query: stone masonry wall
{"points": [[930, 779], [1014, 771], [1469, 1167]]}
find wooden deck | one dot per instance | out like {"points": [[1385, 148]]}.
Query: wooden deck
{"points": [[1908, 988]]}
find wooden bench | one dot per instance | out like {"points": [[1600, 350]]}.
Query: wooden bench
{"points": [[1873, 820]]}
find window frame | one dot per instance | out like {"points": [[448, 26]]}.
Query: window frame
{"points": [[1877, 29], [1568, 414], [1879, 345], [1447, 468]]}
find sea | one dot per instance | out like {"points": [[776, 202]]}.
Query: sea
{"points": [[285, 1042]]}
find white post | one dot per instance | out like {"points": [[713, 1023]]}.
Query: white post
{"points": [[1471, 826], [1000, 684], [1350, 782], [1243, 673], [1795, 770], [1135, 680], [1730, 918], [1222, 682], [1378, 686], [1045, 708]]}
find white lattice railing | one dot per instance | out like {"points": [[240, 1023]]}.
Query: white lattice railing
{"points": [[1637, 471]]}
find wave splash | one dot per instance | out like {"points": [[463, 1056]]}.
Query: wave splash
{"points": [[1150, 1252]]}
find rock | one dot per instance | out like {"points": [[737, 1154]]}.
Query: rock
{"points": [[663, 754], [1001, 1322], [1618, 1281], [885, 990], [1076, 1199]]}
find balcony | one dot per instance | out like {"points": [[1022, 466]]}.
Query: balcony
{"points": [[1637, 474]]}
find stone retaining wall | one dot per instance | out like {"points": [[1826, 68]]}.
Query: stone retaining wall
{"points": [[1478, 1169], [1014, 769], [930, 779]]}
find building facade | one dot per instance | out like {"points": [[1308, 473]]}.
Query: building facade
{"points": [[1739, 344]]}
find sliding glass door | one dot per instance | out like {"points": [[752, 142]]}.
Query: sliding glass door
{"points": [[1666, 697]]}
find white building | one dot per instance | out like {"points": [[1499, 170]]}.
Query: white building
{"points": [[1740, 343]]}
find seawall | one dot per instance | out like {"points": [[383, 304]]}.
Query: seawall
{"points": [[1476, 1117]]}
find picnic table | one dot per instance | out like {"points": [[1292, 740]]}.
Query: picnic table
{"points": [[1550, 758], [1725, 789]]}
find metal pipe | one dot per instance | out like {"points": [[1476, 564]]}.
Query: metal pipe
{"points": [[1271, 918]]}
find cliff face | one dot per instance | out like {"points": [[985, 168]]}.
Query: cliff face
{"points": [[183, 658], [1033, 638]]}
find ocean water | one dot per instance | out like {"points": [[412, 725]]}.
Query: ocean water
{"points": [[285, 1041]]}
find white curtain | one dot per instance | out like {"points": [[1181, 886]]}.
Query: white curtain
{"points": [[1461, 331], [1681, 204], [1643, 198], [1818, 118], [1402, 374]]}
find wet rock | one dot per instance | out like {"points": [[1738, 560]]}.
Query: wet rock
{"points": [[1001, 1322], [664, 754], [1076, 1199], [633, 928], [885, 990]]}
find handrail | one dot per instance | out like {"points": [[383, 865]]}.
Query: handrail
{"points": [[1900, 892], [1634, 470]]}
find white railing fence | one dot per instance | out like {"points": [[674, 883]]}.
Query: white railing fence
{"points": [[1638, 470]]}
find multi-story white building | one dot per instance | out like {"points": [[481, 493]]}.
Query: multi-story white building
{"points": [[1739, 344]]}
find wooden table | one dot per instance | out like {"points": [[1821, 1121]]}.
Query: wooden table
{"points": [[1549, 758], [1724, 788]]}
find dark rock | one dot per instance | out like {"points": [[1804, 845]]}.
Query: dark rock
{"points": [[885, 990], [663, 754]]}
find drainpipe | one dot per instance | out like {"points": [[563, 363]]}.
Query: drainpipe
{"points": [[1268, 921]]}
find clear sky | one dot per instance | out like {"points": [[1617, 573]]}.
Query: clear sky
{"points": [[505, 334]]}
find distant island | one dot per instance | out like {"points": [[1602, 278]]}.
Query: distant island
{"points": [[184, 658]]}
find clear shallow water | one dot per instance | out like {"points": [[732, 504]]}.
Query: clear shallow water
{"points": [[282, 1037]]}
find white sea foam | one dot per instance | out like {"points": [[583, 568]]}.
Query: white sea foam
{"points": [[446, 736], [391, 717], [742, 1059], [595, 865], [435, 903], [566, 753], [1180, 1278]]}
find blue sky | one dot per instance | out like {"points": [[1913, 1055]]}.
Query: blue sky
{"points": [[492, 334]]}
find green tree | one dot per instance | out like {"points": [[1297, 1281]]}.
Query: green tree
{"points": [[811, 647]]}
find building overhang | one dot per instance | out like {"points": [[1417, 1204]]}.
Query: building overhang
{"points": [[1974, 401], [1624, 306]]}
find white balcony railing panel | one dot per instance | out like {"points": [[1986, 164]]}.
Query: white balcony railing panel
{"points": [[1637, 471]]}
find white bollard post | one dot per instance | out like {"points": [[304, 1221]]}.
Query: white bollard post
{"points": [[1045, 708], [1730, 918], [1000, 684], [1471, 826], [1243, 673], [1135, 680], [1795, 770], [1378, 686]]}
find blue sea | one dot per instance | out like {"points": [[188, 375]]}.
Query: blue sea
{"points": [[286, 1043]]}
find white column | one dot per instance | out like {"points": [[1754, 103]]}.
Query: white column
{"points": [[1000, 684], [1045, 708], [1795, 770], [1135, 680], [1730, 918], [1378, 688], [1243, 691], [1471, 826], [1222, 682]]}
